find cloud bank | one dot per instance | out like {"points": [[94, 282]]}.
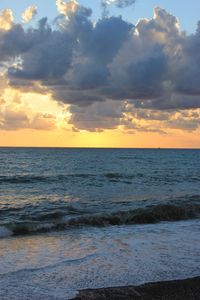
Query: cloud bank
{"points": [[112, 73]]}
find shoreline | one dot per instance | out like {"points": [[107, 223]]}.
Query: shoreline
{"points": [[185, 289]]}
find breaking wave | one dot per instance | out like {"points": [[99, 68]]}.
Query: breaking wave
{"points": [[57, 220]]}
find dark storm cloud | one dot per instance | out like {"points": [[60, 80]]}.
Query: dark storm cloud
{"points": [[188, 74], [49, 56], [98, 45], [151, 65], [73, 60]]}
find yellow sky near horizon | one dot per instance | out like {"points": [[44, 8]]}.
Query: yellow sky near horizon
{"points": [[109, 138], [59, 133]]}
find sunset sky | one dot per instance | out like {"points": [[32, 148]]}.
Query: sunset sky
{"points": [[112, 73]]}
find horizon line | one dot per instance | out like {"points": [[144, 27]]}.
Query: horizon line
{"points": [[84, 147]]}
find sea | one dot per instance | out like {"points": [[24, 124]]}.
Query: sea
{"points": [[77, 218]]}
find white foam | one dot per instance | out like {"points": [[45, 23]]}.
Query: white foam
{"points": [[56, 265]]}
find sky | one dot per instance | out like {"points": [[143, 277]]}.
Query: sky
{"points": [[107, 73]]}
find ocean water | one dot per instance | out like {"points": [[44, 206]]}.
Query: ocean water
{"points": [[87, 218]]}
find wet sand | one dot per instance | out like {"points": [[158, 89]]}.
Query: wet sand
{"points": [[188, 289]]}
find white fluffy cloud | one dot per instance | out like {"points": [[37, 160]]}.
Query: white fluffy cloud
{"points": [[29, 13], [6, 19], [66, 8]]}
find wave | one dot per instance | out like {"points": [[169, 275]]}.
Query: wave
{"points": [[148, 215], [40, 211], [57, 221], [29, 179], [110, 176], [21, 179]]}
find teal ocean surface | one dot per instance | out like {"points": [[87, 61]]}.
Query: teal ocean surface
{"points": [[78, 218]]}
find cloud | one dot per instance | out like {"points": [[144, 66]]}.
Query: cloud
{"points": [[6, 19], [15, 114], [67, 8], [29, 13], [11, 119], [112, 115], [184, 120], [150, 68], [118, 3], [97, 117], [43, 122]]}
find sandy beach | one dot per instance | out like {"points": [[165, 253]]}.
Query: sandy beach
{"points": [[188, 289]]}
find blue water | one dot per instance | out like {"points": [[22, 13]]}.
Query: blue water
{"points": [[42, 186], [84, 218]]}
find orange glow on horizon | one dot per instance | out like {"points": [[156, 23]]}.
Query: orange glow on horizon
{"points": [[52, 128], [107, 139]]}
